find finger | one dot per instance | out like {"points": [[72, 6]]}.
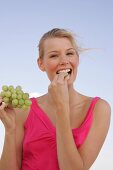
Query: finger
{"points": [[66, 77], [55, 79], [2, 111], [53, 83], [3, 106], [62, 76]]}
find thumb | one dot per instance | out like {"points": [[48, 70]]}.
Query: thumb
{"points": [[66, 77], [3, 105]]}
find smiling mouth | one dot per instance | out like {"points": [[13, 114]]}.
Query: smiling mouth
{"points": [[64, 71]]}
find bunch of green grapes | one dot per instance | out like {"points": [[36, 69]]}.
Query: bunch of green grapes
{"points": [[15, 97]]}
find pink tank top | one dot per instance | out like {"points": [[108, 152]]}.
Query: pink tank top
{"points": [[39, 144]]}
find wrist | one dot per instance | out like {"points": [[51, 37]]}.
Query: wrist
{"points": [[10, 131], [63, 107], [63, 116]]}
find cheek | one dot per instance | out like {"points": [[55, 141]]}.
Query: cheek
{"points": [[51, 66], [74, 64], [50, 69]]}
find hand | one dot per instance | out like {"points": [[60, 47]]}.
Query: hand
{"points": [[7, 116], [58, 90]]}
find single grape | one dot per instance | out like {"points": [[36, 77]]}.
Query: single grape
{"points": [[8, 94], [25, 107], [4, 88], [18, 88], [13, 91], [19, 91], [2, 94], [14, 96], [21, 101], [14, 102], [19, 96], [6, 99], [27, 102], [11, 88], [25, 96]]}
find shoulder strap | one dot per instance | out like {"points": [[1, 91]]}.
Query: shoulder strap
{"points": [[91, 108]]}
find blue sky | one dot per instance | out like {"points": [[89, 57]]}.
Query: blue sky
{"points": [[23, 22]]}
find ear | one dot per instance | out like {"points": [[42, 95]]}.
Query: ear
{"points": [[40, 64]]}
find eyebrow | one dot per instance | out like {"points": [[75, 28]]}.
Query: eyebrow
{"points": [[70, 49], [52, 52], [57, 51]]}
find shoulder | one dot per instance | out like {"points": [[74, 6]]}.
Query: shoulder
{"points": [[102, 113], [103, 106], [42, 99], [21, 116]]}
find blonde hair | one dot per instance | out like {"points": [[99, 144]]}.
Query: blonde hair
{"points": [[57, 33]]}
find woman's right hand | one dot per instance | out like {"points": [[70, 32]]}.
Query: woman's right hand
{"points": [[7, 116], [58, 89]]}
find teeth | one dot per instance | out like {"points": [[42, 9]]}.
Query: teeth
{"points": [[63, 71]]}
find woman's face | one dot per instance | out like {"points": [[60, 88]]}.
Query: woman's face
{"points": [[59, 56]]}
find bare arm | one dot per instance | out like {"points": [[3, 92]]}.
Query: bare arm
{"points": [[9, 157], [68, 156], [12, 150], [96, 137]]}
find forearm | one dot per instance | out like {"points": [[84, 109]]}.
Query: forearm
{"points": [[8, 158], [68, 155]]}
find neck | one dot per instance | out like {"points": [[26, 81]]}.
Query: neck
{"points": [[73, 96]]}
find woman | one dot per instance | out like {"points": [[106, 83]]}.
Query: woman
{"points": [[63, 129]]}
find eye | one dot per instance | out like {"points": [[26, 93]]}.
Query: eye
{"points": [[53, 56], [70, 53]]}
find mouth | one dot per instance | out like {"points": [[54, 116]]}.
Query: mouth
{"points": [[69, 71]]}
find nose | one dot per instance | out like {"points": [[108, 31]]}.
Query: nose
{"points": [[64, 60]]}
